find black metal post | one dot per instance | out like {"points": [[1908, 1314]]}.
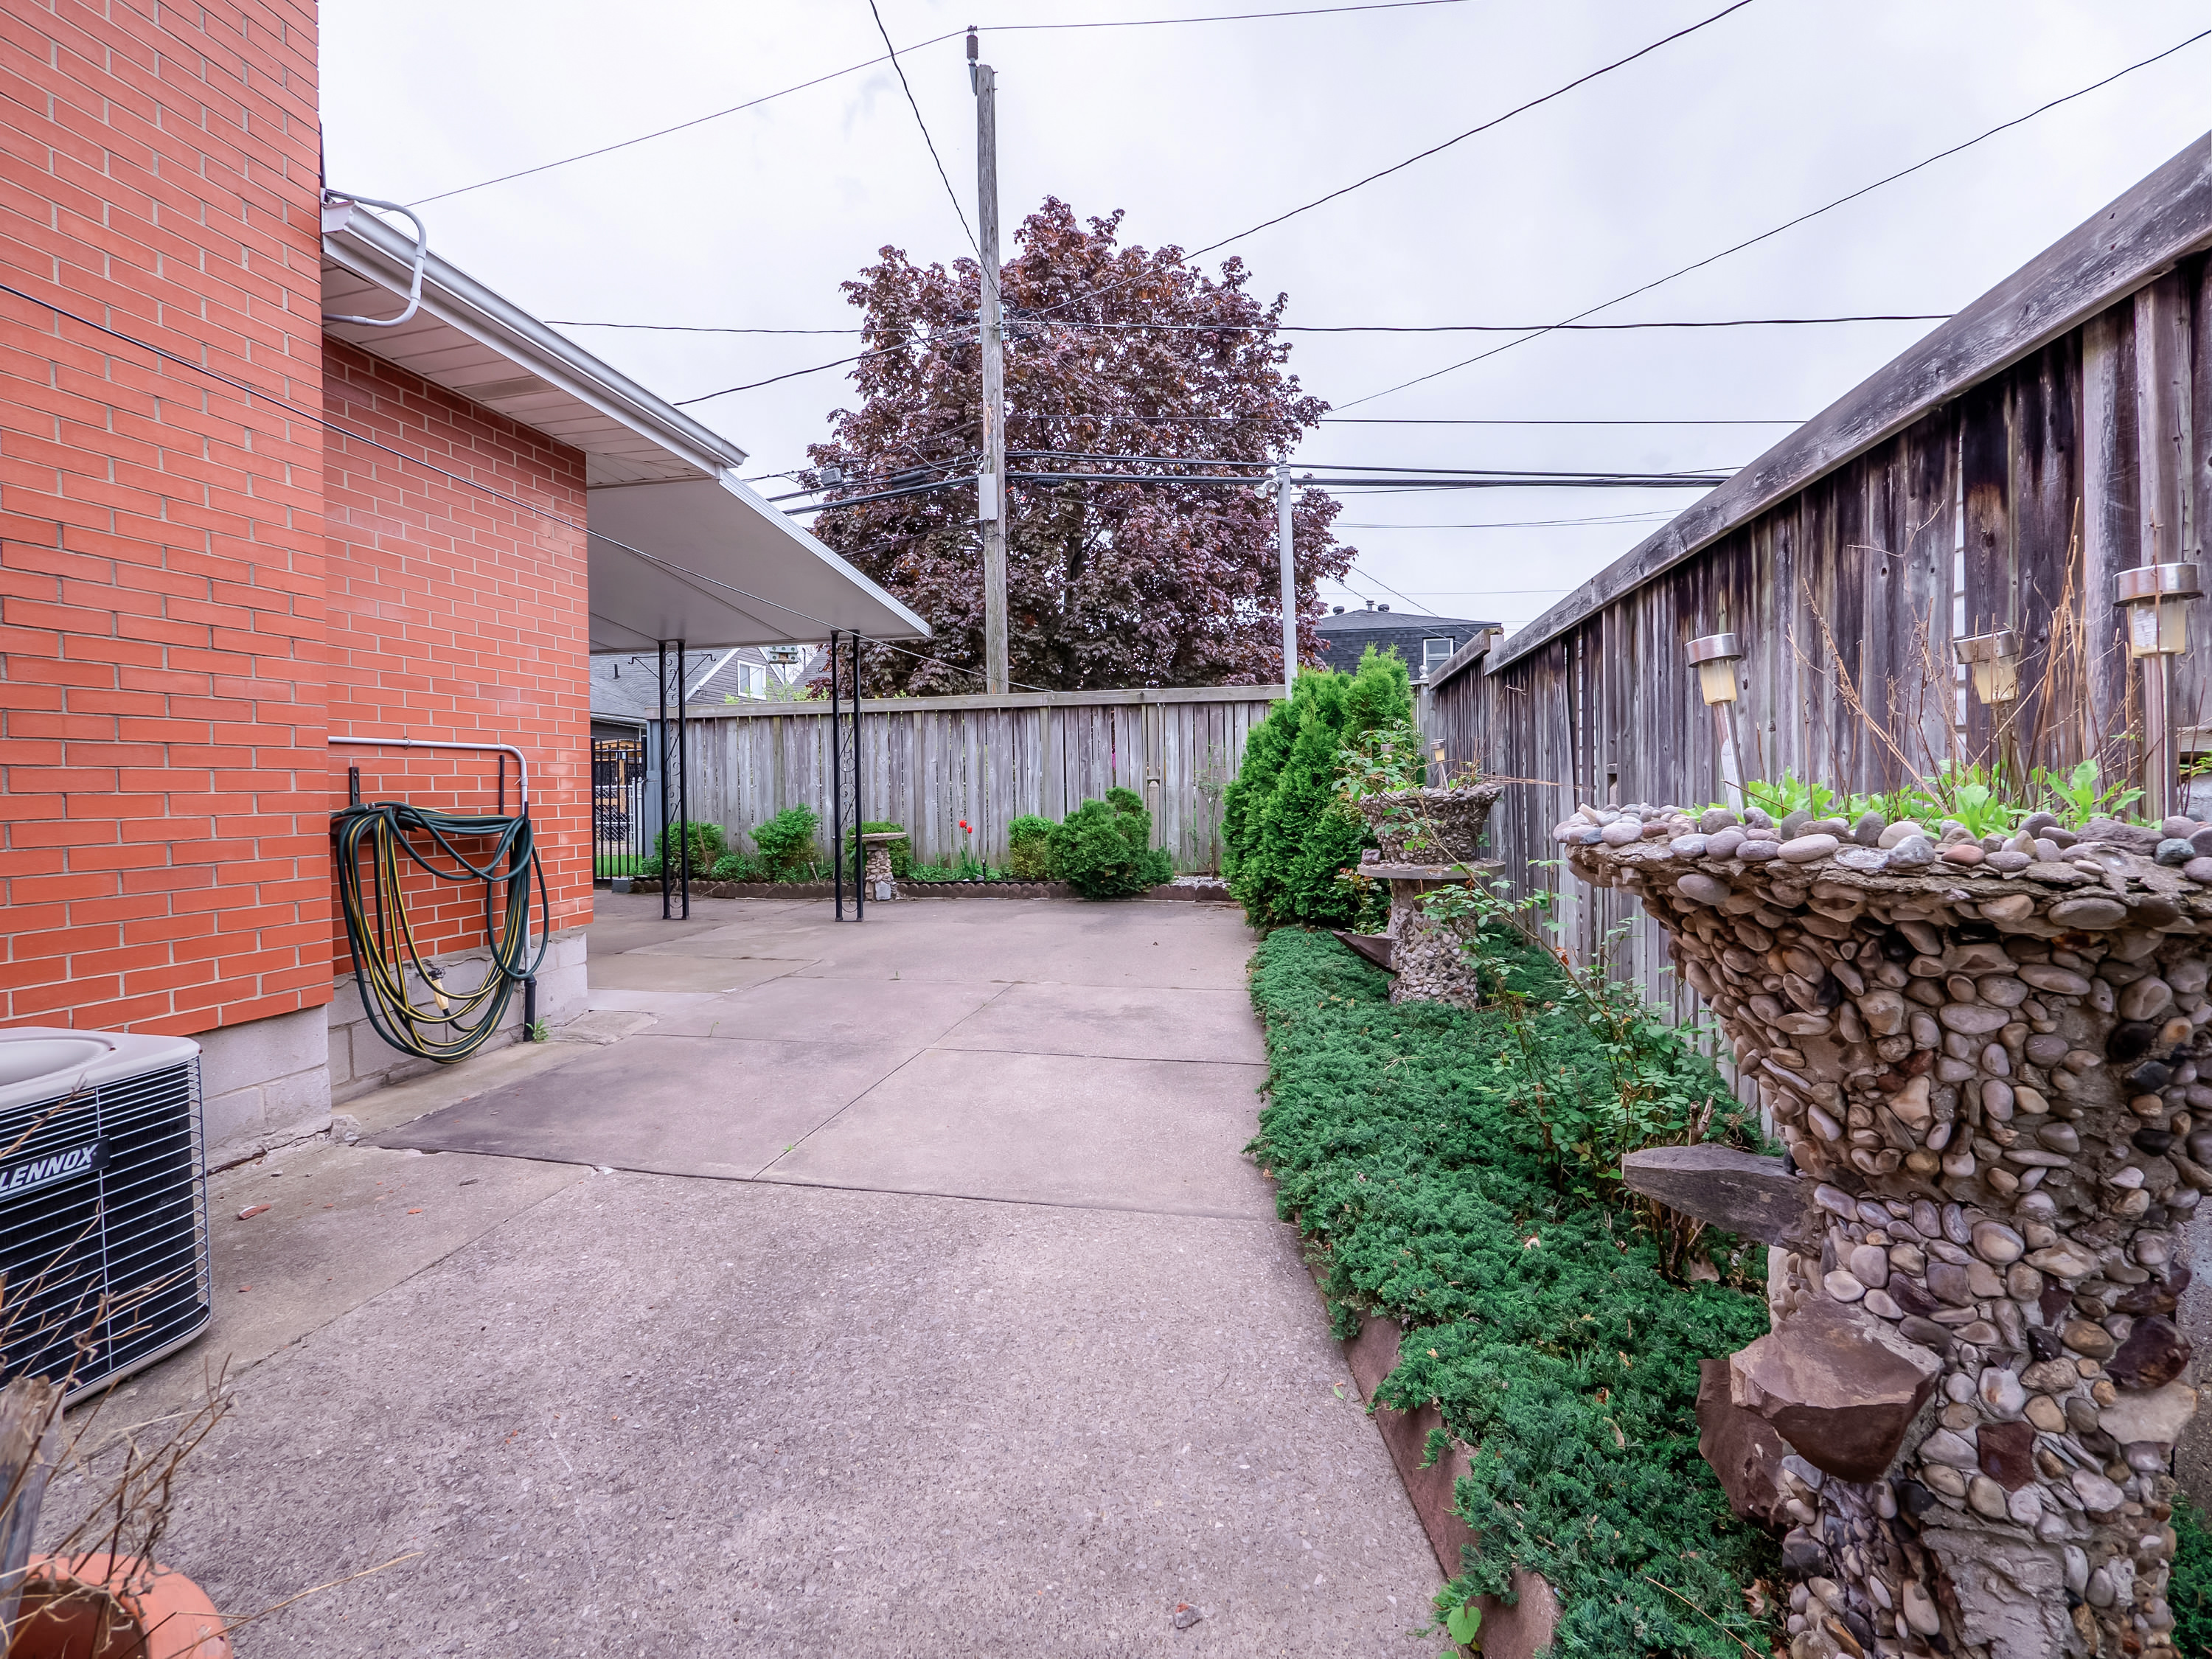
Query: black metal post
{"points": [[660, 736], [836, 789], [860, 812], [684, 777]]}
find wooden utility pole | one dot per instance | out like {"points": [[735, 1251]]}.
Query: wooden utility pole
{"points": [[991, 477]]}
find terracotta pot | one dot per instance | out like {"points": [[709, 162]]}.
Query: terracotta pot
{"points": [[1431, 826], [94, 1607]]}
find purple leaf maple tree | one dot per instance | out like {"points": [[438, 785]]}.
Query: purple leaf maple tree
{"points": [[1108, 584]]}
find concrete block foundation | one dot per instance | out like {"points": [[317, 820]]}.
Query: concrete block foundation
{"points": [[273, 1083]]}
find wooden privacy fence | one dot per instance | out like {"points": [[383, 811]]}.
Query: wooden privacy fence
{"points": [[930, 763], [1997, 475]]}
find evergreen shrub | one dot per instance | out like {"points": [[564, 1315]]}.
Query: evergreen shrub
{"points": [[706, 843], [1286, 834], [1029, 847], [2189, 1592], [1434, 1159], [1103, 850], [786, 845]]}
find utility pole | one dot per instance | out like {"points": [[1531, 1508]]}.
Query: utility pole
{"points": [[991, 479], [1283, 555]]}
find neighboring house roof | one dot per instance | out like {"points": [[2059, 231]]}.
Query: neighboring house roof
{"points": [[624, 683], [1346, 636], [680, 547]]}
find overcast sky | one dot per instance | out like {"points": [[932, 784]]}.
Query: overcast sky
{"points": [[1199, 129]]}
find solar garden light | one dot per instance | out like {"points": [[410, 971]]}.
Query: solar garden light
{"points": [[2156, 597], [1993, 659], [1714, 657]]}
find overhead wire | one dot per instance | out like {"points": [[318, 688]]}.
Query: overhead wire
{"points": [[1787, 224], [1521, 109], [918, 45], [475, 484], [900, 68], [1015, 322]]}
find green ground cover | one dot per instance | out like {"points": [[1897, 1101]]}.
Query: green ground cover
{"points": [[1458, 1170]]}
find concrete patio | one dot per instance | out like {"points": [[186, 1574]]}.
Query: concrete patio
{"points": [[893, 1289]]}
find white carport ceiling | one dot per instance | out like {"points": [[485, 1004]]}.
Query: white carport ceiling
{"points": [[679, 549]]}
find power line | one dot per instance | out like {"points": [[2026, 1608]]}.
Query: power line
{"points": [[647, 137], [1227, 17], [1326, 328], [1424, 420], [1787, 224], [546, 512], [793, 374], [1512, 524], [918, 45], [1557, 92], [900, 68]]}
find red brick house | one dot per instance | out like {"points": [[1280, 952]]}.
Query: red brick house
{"points": [[233, 531]]}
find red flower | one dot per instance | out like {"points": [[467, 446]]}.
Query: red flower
{"points": [[965, 826]]}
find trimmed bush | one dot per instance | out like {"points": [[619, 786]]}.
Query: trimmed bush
{"points": [[901, 851], [1102, 850], [787, 843], [1439, 1163], [738, 867], [1285, 831], [705, 841], [1029, 847]]}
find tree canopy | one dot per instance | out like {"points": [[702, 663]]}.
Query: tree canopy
{"points": [[1107, 585]]}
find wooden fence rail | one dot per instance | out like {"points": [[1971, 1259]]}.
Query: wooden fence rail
{"points": [[931, 762], [1996, 476]]}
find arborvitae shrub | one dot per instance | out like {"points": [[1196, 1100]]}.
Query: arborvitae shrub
{"points": [[1284, 832]]}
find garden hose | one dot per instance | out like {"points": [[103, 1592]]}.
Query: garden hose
{"points": [[450, 1024]]}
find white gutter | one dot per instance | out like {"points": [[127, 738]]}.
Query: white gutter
{"points": [[358, 240]]}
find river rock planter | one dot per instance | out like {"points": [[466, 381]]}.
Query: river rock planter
{"points": [[1984, 1057], [1429, 959], [1429, 826]]}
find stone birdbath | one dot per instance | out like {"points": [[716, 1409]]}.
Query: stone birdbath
{"points": [[1428, 838], [876, 849], [1984, 1058]]}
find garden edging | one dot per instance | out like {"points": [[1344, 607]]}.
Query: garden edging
{"points": [[995, 890], [1519, 1631]]}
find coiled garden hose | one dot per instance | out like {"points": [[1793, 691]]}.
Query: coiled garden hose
{"points": [[447, 1025]]}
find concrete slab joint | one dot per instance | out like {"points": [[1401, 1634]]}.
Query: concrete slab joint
{"points": [[267, 1084]]}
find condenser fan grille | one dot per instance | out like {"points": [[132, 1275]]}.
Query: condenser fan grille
{"points": [[103, 1229]]}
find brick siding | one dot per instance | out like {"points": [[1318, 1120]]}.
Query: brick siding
{"points": [[456, 615], [163, 777]]}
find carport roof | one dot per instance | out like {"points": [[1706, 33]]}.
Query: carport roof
{"points": [[679, 549]]}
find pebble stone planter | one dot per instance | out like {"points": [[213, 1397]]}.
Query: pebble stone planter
{"points": [[1429, 959], [1984, 1058], [1429, 826]]}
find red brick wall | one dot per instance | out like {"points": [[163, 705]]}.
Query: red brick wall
{"points": [[163, 778], [457, 616]]}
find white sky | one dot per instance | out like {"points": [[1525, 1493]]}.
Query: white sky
{"points": [[1200, 130]]}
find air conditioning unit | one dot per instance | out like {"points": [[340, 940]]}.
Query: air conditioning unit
{"points": [[103, 1217]]}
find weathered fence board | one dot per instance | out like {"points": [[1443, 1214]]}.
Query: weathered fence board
{"points": [[931, 762], [1996, 476]]}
